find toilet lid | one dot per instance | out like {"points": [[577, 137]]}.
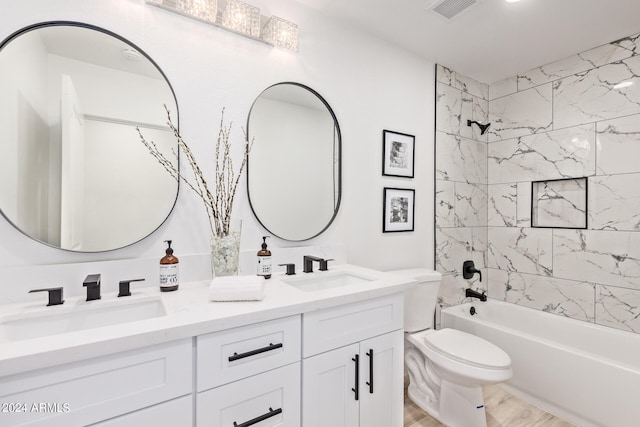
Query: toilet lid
{"points": [[467, 348]]}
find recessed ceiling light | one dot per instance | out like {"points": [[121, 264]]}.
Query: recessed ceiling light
{"points": [[512, 1]]}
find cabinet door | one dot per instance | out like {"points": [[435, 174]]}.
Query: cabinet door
{"points": [[381, 381], [328, 384]]}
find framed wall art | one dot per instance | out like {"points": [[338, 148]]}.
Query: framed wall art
{"points": [[398, 209], [398, 150]]}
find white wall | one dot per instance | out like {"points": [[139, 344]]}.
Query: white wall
{"points": [[370, 84]]}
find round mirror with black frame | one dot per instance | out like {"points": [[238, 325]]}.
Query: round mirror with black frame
{"points": [[294, 167], [74, 174]]}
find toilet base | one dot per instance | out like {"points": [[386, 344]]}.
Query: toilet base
{"points": [[458, 406]]}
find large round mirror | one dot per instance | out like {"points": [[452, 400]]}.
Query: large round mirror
{"points": [[74, 173], [294, 170]]}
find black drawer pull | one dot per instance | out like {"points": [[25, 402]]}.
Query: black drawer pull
{"points": [[370, 382], [270, 347], [256, 420], [356, 389]]}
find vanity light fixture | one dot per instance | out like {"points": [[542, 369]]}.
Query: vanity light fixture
{"points": [[238, 17], [280, 32], [241, 17], [207, 10]]}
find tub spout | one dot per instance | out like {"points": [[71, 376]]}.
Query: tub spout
{"points": [[470, 293]]}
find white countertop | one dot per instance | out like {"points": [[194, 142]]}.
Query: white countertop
{"points": [[189, 313]]}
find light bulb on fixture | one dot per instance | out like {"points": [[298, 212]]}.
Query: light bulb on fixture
{"points": [[280, 32], [241, 17]]}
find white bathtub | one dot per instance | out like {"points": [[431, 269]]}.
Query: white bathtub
{"points": [[585, 373]]}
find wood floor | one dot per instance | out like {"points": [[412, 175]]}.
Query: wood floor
{"points": [[503, 410]]}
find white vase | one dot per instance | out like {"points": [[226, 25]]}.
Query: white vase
{"points": [[225, 253]]}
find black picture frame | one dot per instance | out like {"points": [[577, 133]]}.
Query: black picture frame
{"points": [[398, 210], [398, 154]]}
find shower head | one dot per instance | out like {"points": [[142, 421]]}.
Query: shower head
{"points": [[483, 128]]}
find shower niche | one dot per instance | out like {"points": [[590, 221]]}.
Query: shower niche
{"points": [[559, 203]]}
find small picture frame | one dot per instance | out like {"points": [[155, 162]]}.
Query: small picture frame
{"points": [[398, 210], [398, 151]]}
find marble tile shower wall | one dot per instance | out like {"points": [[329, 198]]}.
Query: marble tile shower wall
{"points": [[578, 117], [461, 182]]}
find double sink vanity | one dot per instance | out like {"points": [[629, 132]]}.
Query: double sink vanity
{"points": [[320, 349]]}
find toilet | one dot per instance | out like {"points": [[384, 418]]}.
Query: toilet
{"points": [[447, 368]]}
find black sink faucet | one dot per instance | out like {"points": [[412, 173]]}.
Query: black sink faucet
{"points": [[307, 263], [470, 293], [92, 282]]}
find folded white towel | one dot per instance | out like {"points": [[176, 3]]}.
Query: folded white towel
{"points": [[237, 288]]}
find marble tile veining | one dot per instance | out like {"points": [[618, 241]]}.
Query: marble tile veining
{"points": [[470, 205], [565, 153], [527, 250], [520, 114], [503, 88], [445, 203], [568, 298], [597, 94], [618, 145], [501, 205], [618, 308], [455, 245], [523, 208], [448, 109], [614, 202], [457, 159], [593, 58], [603, 257]]}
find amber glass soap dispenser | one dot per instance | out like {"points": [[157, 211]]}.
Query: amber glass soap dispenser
{"points": [[168, 270], [264, 260]]}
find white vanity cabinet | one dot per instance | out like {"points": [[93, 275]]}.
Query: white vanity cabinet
{"points": [[250, 375], [352, 371], [95, 390]]}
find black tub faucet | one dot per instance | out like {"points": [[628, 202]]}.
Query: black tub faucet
{"points": [[469, 269], [92, 283], [470, 293]]}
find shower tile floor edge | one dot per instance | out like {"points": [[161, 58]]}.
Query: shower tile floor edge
{"points": [[503, 410]]}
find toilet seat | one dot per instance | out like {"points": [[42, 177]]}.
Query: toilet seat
{"points": [[462, 347]]}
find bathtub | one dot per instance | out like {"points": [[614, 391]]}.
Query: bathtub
{"points": [[584, 373]]}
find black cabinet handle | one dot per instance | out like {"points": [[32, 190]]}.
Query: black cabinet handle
{"points": [[370, 382], [356, 389], [256, 420], [270, 347]]}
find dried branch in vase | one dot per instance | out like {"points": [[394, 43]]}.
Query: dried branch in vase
{"points": [[219, 205]]}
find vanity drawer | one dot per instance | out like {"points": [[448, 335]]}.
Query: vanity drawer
{"points": [[93, 390], [267, 400], [339, 326], [230, 355]]}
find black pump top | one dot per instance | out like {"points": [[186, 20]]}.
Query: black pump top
{"points": [[264, 243], [169, 251]]}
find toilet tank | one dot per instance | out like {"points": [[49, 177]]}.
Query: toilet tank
{"points": [[420, 301]]}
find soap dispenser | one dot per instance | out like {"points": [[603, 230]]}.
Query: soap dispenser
{"points": [[168, 270], [264, 260]]}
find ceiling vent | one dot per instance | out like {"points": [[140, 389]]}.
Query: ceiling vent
{"points": [[450, 8]]}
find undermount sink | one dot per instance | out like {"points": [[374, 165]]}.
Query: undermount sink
{"points": [[325, 280], [63, 319]]}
